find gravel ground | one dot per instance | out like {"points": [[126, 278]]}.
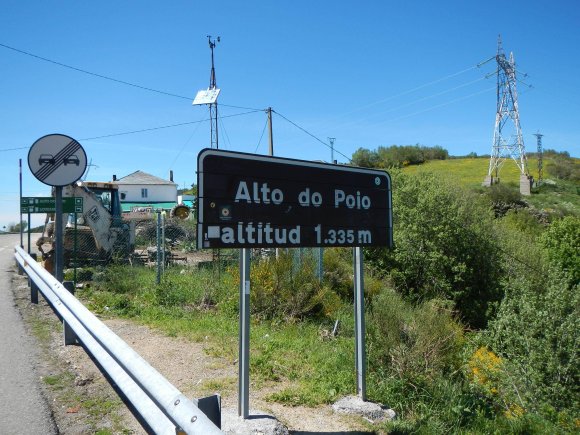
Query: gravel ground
{"points": [[83, 402]]}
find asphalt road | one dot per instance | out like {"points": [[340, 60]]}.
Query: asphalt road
{"points": [[22, 406]]}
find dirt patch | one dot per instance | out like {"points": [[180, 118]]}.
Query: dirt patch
{"points": [[83, 402]]}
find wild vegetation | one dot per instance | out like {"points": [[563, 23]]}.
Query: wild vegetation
{"points": [[473, 317]]}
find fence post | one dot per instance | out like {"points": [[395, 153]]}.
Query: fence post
{"points": [[158, 278], [320, 263]]}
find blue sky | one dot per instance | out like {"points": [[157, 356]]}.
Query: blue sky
{"points": [[368, 73]]}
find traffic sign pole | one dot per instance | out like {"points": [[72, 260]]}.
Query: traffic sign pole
{"points": [[28, 232], [21, 241], [58, 235]]}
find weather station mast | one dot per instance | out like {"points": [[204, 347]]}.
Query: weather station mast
{"points": [[508, 141], [209, 97]]}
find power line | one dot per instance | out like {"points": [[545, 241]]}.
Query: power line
{"points": [[435, 107], [92, 73], [409, 91], [261, 136], [184, 145], [410, 103], [112, 79], [14, 149], [311, 135], [146, 129], [166, 126]]}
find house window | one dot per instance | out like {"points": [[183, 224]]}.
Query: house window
{"points": [[143, 193]]}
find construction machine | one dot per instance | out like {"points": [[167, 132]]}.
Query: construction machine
{"points": [[99, 233]]}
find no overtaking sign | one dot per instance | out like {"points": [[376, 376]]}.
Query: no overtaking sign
{"points": [[57, 160]]}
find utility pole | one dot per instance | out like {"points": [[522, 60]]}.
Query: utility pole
{"points": [[507, 144], [331, 140], [540, 158], [213, 107], [270, 134]]}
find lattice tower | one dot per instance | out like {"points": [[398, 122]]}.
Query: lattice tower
{"points": [[213, 107], [540, 158], [507, 136]]}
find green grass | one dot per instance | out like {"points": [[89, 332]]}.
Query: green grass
{"points": [[554, 196], [296, 360]]}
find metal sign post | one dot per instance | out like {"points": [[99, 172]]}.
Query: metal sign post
{"points": [[28, 230], [244, 351], [57, 160], [58, 236], [359, 325], [20, 167]]}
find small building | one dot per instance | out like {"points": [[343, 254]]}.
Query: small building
{"points": [[144, 193]]}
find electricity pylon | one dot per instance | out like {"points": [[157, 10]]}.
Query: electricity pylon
{"points": [[540, 159], [508, 141]]}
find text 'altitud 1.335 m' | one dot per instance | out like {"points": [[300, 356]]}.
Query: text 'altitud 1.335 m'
{"points": [[251, 201]]}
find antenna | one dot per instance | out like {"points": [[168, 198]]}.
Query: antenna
{"points": [[507, 136], [331, 140], [209, 96]]}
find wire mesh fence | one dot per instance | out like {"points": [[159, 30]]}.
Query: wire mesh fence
{"points": [[155, 241]]}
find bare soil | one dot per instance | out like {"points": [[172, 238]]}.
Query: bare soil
{"points": [[83, 402]]}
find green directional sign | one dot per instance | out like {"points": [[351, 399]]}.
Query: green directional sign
{"points": [[48, 205]]}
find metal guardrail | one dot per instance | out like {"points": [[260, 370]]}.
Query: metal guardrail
{"points": [[161, 405]]}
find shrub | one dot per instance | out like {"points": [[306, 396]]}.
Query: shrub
{"points": [[537, 330], [444, 247], [562, 245], [397, 156], [287, 287], [563, 167], [413, 341]]}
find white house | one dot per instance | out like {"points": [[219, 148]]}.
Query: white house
{"points": [[141, 187]]}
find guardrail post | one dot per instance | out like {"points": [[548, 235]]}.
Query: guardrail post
{"points": [[70, 286], [20, 269], [211, 406], [33, 292], [69, 335]]}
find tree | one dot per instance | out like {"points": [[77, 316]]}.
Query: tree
{"points": [[15, 228]]}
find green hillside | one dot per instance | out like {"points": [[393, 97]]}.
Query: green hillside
{"points": [[555, 195]]}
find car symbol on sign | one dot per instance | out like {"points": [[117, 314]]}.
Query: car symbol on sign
{"points": [[71, 160], [46, 158]]}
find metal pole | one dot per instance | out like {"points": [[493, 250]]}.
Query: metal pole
{"points": [[75, 252], [331, 140], [359, 313], [320, 263], [158, 278], [270, 134], [28, 230], [244, 351], [58, 235], [20, 178], [271, 152]]}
